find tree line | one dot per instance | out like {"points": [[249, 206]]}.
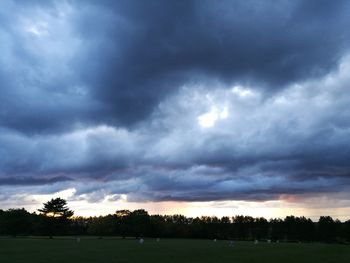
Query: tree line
{"points": [[55, 218]]}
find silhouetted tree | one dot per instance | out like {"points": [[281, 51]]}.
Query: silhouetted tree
{"points": [[56, 214], [55, 218], [79, 226], [56, 207], [16, 222], [326, 229], [277, 231], [157, 226], [347, 231], [139, 221], [260, 228], [122, 226], [103, 226]]}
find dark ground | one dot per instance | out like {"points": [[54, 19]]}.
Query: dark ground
{"points": [[66, 250]]}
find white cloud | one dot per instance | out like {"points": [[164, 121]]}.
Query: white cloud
{"points": [[209, 119]]}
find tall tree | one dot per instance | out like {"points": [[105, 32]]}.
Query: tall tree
{"points": [[16, 222], [56, 216], [56, 207]]}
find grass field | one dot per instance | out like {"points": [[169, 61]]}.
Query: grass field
{"points": [[25, 250]]}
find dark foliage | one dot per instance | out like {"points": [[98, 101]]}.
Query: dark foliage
{"points": [[139, 223], [55, 217]]}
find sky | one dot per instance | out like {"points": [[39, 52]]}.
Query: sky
{"points": [[194, 107]]}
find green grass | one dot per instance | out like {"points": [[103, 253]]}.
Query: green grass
{"points": [[26, 250]]}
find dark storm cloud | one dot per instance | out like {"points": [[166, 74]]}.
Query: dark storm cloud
{"points": [[12, 181], [107, 96], [158, 46], [134, 54]]}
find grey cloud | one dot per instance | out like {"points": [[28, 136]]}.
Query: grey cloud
{"points": [[128, 56], [10, 181], [105, 97]]}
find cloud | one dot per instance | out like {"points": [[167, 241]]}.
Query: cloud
{"points": [[31, 181], [71, 63], [266, 147], [196, 102]]}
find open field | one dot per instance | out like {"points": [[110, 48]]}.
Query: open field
{"points": [[26, 250]]}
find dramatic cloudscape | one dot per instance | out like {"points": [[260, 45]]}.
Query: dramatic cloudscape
{"points": [[193, 107]]}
